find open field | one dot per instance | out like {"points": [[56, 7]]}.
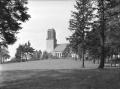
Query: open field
{"points": [[61, 79], [57, 74], [48, 64]]}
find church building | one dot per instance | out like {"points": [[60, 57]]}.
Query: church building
{"points": [[58, 50]]}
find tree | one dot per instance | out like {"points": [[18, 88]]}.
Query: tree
{"points": [[28, 50], [106, 17], [114, 27], [4, 54], [37, 55], [12, 14], [80, 25], [66, 52], [105, 30], [19, 53], [93, 43], [45, 55], [23, 51]]}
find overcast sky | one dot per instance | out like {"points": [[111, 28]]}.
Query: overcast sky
{"points": [[45, 14]]}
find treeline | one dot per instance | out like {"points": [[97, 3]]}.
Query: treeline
{"points": [[95, 25], [25, 52]]}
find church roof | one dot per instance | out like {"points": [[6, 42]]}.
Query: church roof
{"points": [[60, 47]]}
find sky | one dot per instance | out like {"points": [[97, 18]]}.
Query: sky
{"points": [[45, 14]]}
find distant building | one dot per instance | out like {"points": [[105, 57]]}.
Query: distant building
{"points": [[51, 40], [58, 50]]}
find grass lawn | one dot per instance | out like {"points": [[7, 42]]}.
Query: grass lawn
{"points": [[61, 79]]}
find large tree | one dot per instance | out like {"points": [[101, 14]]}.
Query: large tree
{"points": [[108, 11], [103, 40], [80, 25], [93, 43], [12, 14]]}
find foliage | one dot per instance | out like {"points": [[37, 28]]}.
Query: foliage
{"points": [[19, 53], [93, 44], [103, 41], [28, 49], [106, 16], [80, 24], [12, 14], [4, 54], [24, 51], [99, 36], [37, 55], [67, 51], [45, 55]]}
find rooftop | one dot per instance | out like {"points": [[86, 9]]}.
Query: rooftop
{"points": [[60, 47]]}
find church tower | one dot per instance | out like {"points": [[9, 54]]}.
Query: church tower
{"points": [[51, 40]]}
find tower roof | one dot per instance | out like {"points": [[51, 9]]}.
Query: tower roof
{"points": [[60, 47], [52, 29]]}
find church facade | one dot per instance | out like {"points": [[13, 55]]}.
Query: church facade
{"points": [[58, 50]]}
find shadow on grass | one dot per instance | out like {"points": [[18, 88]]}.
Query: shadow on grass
{"points": [[61, 79]]}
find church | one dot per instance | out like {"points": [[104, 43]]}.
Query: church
{"points": [[57, 50]]}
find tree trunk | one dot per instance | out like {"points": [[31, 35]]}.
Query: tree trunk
{"points": [[102, 35], [83, 59], [102, 59], [1, 60], [94, 60], [82, 55], [26, 56], [21, 57]]}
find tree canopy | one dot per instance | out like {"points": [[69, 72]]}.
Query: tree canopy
{"points": [[102, 39], [12, 14], [24, 51], [80, 24]]}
